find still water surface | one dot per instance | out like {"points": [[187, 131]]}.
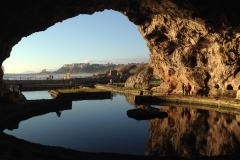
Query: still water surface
{"points": [[91, 125], [103, 126]]}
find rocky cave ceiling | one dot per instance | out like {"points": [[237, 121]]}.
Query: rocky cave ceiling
{"points": [[189, 40]]}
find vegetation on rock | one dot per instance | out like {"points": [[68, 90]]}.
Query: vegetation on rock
{"points": [[131, 68]]}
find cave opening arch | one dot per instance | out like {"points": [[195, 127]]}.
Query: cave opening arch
{"points": [[112, 40]]}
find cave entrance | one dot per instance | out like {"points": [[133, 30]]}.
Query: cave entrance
{"points": [[102, 38]]}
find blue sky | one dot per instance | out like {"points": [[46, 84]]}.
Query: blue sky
{"points": [[104, 37]]}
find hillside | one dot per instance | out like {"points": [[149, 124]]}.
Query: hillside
{"points": [[89, 69]]}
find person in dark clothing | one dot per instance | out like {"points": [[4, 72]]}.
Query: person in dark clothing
{"points": [[183, 88], [20, 87]]}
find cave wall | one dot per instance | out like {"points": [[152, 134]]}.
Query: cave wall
{"points": [[189, 40], [196, 43]]}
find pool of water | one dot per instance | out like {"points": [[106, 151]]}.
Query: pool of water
{"points": [[91, 125], [103, 126]]}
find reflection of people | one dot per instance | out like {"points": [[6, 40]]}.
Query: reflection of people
{"points": [[183, 112], [187, 114], [58, 113]]}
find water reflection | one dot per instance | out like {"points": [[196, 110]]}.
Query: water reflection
{"points": [[90, 126], [186, 131], [57, 108], [59, 113], [191, 132]]}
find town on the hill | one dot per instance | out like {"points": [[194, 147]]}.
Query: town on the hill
{"points": [[87, 68]]}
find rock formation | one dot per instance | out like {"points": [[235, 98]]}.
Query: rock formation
{"points": [[140, 80], [189, 40]]}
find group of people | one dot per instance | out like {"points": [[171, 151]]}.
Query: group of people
{"points": [[50, 77], [12, 88], [186, 89]]}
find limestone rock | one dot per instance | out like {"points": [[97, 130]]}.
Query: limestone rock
{"points": [[141, 80], [238, 94]]}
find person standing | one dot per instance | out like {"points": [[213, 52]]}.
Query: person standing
{"points": [[188, 89], [20, 87], [183, 88]]}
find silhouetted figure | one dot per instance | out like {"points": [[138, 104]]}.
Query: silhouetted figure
{"points": [[187, 114], [183, 112], [183, 88], [20, 87]]}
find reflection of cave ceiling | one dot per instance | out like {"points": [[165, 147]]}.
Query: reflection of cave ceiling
{"points": [[189, 40]]}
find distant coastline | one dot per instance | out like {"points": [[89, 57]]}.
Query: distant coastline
{"points": [[37, 76], [79, 68]]}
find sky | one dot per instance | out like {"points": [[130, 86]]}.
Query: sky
{"points": [[104, 37]]}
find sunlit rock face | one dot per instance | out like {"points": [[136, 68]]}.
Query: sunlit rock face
{"points": [[189, 40], [139, 80], [202, 133], [196, 43]]}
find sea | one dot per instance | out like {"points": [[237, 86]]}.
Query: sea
{"points": [[35, 76]]}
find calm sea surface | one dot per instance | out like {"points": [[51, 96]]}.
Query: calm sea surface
{"points": [[7, 76], [91, 125]]}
